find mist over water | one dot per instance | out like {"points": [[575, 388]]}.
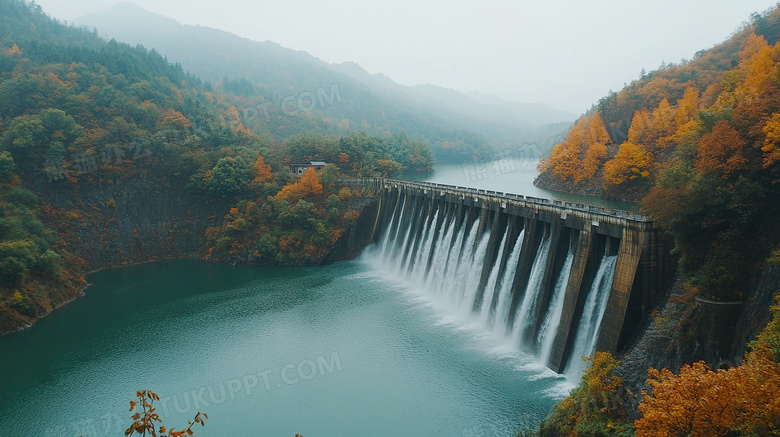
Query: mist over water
{"points": [[401, 341], [346, 349]]}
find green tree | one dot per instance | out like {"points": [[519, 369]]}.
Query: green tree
{"points": [[229, 176], [7, 166]]}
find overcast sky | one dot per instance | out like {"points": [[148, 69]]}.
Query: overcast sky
{"points": [[565, 53]]}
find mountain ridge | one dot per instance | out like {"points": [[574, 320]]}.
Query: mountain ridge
{"points": [[274, 69]]}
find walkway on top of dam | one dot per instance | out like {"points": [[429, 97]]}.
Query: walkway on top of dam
{"points": [[587, 212]]}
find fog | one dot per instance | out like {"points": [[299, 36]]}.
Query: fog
{"points": [[566, 53]]}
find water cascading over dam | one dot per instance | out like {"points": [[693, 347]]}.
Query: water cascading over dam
{"points": [[559, 281]]}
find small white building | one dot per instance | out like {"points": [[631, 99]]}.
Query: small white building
{"points": [[299, 168]]}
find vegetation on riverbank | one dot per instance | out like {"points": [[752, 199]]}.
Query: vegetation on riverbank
{"points": [[697, 143], [86, 126], [696, 401]]}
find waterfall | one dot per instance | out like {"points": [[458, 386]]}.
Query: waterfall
{"points": [[420, 263], [461, 267], [490, 287], [505, 292], [440, 255], [474, 268], [525, 310], [443, 252], [553, 318], [592, 314]]}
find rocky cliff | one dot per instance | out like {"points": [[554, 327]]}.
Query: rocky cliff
{"points": [[104, 223]]}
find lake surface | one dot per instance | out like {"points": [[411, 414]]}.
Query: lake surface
{"points": [[511, 175], [327, 351], [342, 350]]}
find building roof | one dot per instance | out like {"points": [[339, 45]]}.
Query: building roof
{"points": [[317, 163]]}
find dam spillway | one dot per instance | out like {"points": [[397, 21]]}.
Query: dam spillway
{"points": [[558, 280]]}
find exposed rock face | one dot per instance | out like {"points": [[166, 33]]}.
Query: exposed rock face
{"points": [[110, 224], [105, 223], [356, 238], [685, 329], [587, 187]]}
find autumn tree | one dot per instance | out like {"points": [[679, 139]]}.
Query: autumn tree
{"points": [[630, 167], [641, 130], [596, 146], [146, 421], [700, 402], [687, 107], [595, 407], [594, 157], [771, 147], [663, 125], [721, 150], [262, 170], [565, 160], [308, 186]]}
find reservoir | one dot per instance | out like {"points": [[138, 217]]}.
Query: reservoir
{"points": [[353, 348]]}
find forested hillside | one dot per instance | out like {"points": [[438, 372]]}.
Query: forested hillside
{"points": [[111, 155], [281, 92], [697, 144]]}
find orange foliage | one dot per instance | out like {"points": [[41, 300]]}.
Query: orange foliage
{"points": [[175, 119], [13, 50], [632, 163], [308, 186], [262, 170], [640, 131], [687, 107], [771, 146], [721, 150], [565, 157], [145, 417], [343, 158], [702, 403], [597, 132], [593, 159], [663, 122], [590, 136]]}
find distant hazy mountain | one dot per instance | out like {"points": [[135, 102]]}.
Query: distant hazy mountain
{"points": [[372, 102]]}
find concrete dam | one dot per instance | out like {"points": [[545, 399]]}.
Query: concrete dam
{"points": [[558, 280]]}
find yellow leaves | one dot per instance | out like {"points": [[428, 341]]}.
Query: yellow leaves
{"points": [[597, 132], [174, 119], [771, 146], [262, 170], [144, 420], [308, 185], [754, 45], [595, 404], [631, 163], [345, 194], [13, 50], [639, 132], [687, 107], [594, 156], [566, 158], [700, 402], [721, 150], [687, 132], [663, 123]]}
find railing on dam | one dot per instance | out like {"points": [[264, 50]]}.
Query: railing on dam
{"points": [[376, 184], [427, 222]]}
